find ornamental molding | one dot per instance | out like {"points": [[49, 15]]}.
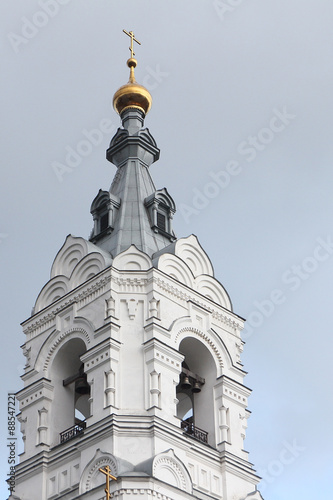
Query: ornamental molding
{"points": [[169, 462], [226, 319], [205, 338], [91, 292], [180, 295], [38, 326], [131, 284], [100, 464], [60, 339], [91, 474], [87, 295], [138, 491]]}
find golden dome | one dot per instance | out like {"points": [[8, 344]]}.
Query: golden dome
{"points": [[132, 95]]}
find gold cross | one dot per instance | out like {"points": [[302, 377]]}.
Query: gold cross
{"points": [[132, 37], [109, 476]]}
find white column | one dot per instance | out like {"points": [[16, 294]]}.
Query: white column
{"points": [[110, 388]]}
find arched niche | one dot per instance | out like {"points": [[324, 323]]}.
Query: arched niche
{"points": [[65, 372], [170, 469], [79, 328], [91, 476]]}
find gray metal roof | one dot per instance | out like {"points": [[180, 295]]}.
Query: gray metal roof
{"points": [[133, 197]]}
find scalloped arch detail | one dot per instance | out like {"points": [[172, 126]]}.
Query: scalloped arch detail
{"points": [[76, 262], [72, 251], [54, 289], [89, 266], [190, 251], [102, 199], [212, 289], [202, 336], [132, 259], [176, 268], [91, 472], [168, 468], [163, 197], [58, 341]]}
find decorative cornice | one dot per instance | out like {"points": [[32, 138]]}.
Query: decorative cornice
{"points": [[36, 327], [130, 284], [185, 297], [42, 389], [139, 491], [92, 288]]}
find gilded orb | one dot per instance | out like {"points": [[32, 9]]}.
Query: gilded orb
{"points": [[132, 95]]}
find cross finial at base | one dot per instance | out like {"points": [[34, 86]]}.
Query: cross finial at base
{"points": [[107, 471]]}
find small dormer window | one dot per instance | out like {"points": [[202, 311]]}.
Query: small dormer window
{"points": [[161, 221], [103, 209], [104, 222], [161, 208]]}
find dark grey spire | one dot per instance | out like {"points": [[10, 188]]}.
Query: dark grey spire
{"points": [[133, 212]]}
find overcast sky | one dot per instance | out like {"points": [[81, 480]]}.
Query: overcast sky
{"points": [[242, 112]]}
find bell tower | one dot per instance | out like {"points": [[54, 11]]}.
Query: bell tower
{"points": [[133, 384]]}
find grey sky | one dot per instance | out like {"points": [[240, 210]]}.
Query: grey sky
{"points": [[242, 113]]}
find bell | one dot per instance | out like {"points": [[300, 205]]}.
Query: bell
{"points": [[186, 384], [81, 386], [196, 387]]}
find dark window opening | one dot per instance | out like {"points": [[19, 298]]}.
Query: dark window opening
{"points": [[161, 221], [104, 222]]}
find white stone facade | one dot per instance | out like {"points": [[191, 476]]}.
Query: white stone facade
{"points": [[133, 322]]}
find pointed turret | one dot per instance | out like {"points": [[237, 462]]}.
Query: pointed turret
{"points": [[133, 212]]}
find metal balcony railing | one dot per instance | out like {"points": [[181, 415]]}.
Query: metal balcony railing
{"points": [[72, 432], [190, 429]]}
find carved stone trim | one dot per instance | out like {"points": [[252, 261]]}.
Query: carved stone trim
{"points": [[91, 477], [168, 461], [138, 491], [91, 290], [180, 295], [99, 464], [130, 284], [61, 337], [35, 327], [204, 337]]}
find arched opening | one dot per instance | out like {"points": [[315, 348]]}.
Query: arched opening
{"points": [[195, 391], [71, 392], [185, 405], [81, 394]]}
